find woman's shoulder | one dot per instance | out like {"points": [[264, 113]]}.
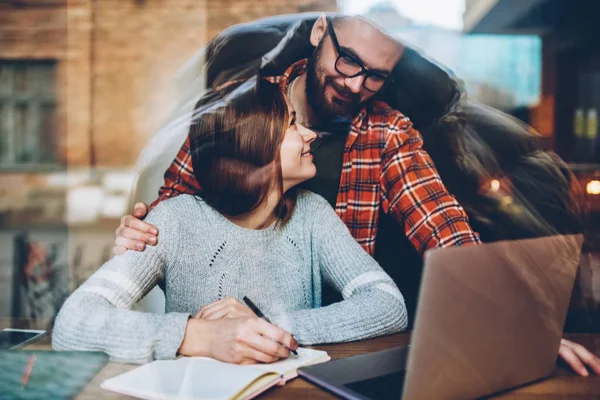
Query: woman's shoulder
{"points": [[315, 214], [311, 203], [306, 197], [182, 200], [178, 208]]}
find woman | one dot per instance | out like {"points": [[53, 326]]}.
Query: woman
{"points": [[248, 233]]}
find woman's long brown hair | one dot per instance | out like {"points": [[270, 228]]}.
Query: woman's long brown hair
{"points": [[235, 142]]}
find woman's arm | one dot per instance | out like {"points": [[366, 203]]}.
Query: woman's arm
{"points": [[97, 315], [372, 304]]}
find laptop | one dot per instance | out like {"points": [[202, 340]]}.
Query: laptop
{"points": [[489, 318]]}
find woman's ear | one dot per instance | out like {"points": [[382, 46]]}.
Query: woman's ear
{"points": [[318, 30]]}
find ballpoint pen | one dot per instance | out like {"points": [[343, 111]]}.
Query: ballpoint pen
{"points": [[259, 314]]}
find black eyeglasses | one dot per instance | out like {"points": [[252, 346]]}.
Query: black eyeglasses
{"points": [[350, 66]]}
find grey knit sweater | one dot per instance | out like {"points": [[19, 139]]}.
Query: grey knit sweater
{"points": [[202, 257]]}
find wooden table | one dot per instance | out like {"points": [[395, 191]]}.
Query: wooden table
{"points": [[564, 384]]}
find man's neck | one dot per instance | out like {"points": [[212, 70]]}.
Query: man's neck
{"points": [[304, 113], [262, 216]]}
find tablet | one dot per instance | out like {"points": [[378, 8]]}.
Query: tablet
{"points": [[11, 339]]}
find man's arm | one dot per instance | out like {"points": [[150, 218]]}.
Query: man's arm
{"points": [[135, 234], [414, 195]]}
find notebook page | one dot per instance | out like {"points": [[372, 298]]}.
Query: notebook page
{"points": [[186, 378], [290, 365], [287, 368]]}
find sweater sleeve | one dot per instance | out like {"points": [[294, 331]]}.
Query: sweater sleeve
{"points": [[98, 315], [372, 305]]}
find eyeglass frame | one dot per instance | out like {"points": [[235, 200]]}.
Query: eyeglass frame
{"points": [[343, 54]]}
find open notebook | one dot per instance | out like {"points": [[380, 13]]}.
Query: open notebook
{"points": [[206, 378]]}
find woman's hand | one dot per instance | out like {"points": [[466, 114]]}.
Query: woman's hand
{"points": [[229, 307], [237, 340]]}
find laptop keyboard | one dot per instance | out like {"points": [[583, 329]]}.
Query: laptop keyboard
{"points": [[384, 387]]}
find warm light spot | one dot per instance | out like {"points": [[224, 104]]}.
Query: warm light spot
{"points": [[593, 187], [495, 185]]}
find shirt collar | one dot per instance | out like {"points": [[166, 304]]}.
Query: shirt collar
{"points": [[295, 70]]}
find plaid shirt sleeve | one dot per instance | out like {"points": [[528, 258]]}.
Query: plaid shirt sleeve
{"points": [[179, 178], [414, 194]]}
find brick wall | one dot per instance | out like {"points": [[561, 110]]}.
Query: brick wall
{"points": [[76, 82], [37, 30], [116, 60], [139, 45], [32, 30], [224, 13], [115, 63]]}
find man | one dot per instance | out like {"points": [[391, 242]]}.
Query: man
{"points": [[371, 163]]}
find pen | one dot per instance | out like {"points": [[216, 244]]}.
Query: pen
{"points": [[259, 314], [28, 369]]}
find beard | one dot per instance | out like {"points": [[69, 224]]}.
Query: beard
{"points": [[316, 85]]}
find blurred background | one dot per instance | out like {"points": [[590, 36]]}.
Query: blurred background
{"points": [[85, 83]]}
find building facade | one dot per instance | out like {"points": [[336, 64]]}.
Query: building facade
{"points": [[83, 86]]}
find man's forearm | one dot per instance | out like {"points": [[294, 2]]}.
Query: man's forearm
{"points": [[416, 197]]}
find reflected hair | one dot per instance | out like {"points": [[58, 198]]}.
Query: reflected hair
{"points": [[235, 140]]}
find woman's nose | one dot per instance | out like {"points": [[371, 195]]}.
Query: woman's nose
{"points": [[308, 134]]}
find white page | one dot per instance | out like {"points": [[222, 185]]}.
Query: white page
{"points": [[305, 357], [185, 378], [199, 377]]}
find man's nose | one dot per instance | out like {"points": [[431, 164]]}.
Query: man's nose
{"points": [[355, 84]]}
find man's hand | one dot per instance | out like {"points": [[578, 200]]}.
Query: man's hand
{"points": [[133, 233], [229, 307], [577, 357]]}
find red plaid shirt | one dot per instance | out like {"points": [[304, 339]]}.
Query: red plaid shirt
{"points": [[384, 164]]}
